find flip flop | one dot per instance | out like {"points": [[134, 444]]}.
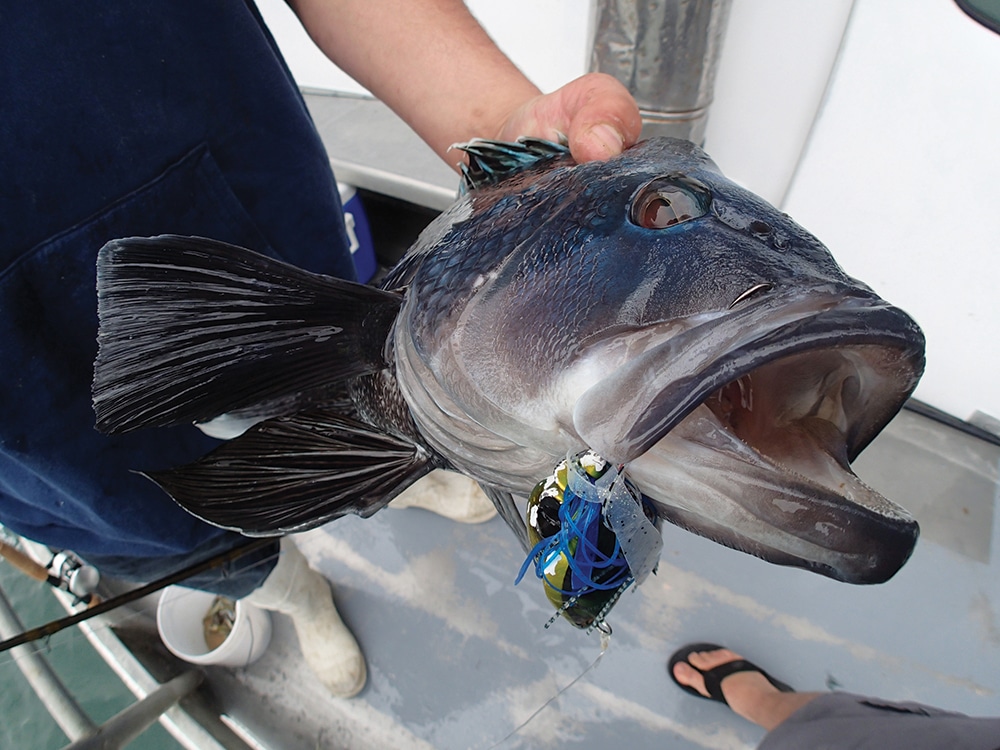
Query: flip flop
{"points": [[714, 677]]}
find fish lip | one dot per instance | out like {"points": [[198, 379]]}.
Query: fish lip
{"points": [[758, 507], [895, 546], [624, 415], [704, 478], [645, 401]]}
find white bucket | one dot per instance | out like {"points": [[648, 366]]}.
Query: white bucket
{"points": [[179, 618]]}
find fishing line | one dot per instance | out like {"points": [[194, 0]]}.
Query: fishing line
{"points": [[605, 631], [43, 631]]}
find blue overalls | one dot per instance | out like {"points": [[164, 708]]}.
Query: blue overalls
{"points": [[132, 119]]}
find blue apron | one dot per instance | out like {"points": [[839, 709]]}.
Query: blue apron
{"points": [[124, 119]]}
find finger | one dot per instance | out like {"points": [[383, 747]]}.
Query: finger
{"points": [[603, 117]]}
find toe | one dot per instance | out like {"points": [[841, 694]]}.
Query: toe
{"points": [[706, 660], [689, 677]]}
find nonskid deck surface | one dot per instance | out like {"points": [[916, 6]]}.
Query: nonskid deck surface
{"points": [[460, 658]]}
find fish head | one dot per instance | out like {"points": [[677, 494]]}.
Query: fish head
{"points": [[654, 311]]}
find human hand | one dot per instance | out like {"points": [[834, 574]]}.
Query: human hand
{"points": [[450, 83], [595, 112]]}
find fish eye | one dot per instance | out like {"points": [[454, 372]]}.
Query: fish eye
{"points": [[668, 201]]}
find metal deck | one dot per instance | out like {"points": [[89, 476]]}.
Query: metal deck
{"points": [[460, 658]]}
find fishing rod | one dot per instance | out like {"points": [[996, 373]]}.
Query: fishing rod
{"points": [[27, 565], [43, 631], [65, 571]]}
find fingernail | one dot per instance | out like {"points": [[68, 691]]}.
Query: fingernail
{"points": [[609, 139]]}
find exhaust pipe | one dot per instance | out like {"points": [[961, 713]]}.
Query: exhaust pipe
{"points": [[666, 53]]}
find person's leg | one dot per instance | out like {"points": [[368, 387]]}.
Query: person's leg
{"points": [[749, 693], [832, 720], [448, 494], [328, 646]]}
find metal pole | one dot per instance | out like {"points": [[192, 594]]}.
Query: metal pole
{"points": [[128, 724], [49, 688], [666, 53]]}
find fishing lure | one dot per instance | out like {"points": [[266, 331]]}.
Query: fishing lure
{"points": [[593, 535]]}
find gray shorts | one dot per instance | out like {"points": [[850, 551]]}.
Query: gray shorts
{"points": [[843, 720]]}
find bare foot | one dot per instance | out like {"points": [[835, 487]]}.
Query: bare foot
{"points": [[749, 694]]}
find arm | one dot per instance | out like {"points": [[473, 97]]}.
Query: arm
{"points": [[434, 65]]}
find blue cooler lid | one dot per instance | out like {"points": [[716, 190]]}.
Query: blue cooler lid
{"points": [[362, 249]]}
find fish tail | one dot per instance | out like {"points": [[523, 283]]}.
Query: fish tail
{"points": [[192, 328]]}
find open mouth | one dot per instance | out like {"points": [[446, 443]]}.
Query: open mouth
{"points": [[751, 446], [810, 412]]}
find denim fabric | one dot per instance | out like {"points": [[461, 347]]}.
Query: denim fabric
{"points": [[234, 579], [131, 119]]}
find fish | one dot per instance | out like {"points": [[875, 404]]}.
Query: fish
{"points": [[645, 309]]}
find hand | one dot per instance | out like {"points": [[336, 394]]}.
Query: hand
{"points": [[595, 112], [450, 83]]}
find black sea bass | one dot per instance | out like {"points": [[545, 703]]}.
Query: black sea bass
{"points": [[645, 309]]}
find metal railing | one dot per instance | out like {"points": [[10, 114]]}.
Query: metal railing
{"points": [[155, 701], [666, 52], [117, 731]]}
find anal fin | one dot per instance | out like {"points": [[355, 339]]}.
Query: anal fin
{"points": [[294, 473]]}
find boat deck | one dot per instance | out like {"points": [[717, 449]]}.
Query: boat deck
{"points": [[460, 658]]}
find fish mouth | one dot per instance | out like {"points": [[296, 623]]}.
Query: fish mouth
{"points": [[742, 427]]}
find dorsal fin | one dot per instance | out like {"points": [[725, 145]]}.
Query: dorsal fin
{"points": [[491, 162]]}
